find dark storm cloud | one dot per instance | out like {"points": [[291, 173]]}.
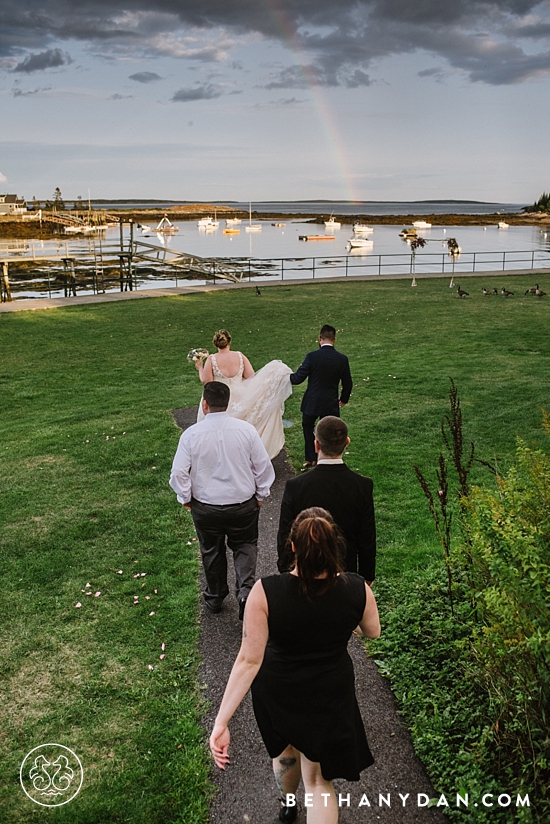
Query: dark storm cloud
{"points": [[145, 77], [50, 59], [205, 92], [480, 38]]}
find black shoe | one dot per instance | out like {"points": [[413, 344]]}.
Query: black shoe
{"points": [[214, 608], [242, 604], [288, 814]]}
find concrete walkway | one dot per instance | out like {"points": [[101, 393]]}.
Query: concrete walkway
{"points": [[247, 790], [22, 304]]}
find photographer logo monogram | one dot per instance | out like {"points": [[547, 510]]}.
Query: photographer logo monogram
{"points": [[51, 775]]}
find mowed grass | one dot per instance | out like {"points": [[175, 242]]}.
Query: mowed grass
{"points": [[86, 395]]}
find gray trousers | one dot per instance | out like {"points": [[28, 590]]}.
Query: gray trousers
{"points": [[238, 524]]}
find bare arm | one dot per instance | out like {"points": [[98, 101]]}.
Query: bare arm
{"points": [[205, 372], [248, 371], [245, 669], [369, 625]]}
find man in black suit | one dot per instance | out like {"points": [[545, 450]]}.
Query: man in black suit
{"points": [[325, 369], [344, 493]]}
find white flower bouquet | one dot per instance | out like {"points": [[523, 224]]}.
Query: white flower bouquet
{"points": [[197, 355]]}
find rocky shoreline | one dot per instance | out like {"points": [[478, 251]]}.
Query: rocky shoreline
{"points": [[17, 228]]}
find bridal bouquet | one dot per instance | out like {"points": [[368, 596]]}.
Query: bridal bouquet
{"points": [[197, 354]]}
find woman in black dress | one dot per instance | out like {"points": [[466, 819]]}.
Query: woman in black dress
{"points": [[294, 655]]}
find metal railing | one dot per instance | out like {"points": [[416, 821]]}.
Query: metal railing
{"points": [[121, 269]]}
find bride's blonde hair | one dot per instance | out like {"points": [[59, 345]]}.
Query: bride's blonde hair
{"points": [[221, 339]]}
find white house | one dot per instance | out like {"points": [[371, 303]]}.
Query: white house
{"points": [[12, 205]]}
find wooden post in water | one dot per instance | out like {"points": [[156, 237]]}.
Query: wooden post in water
{"points": [[6, 291]]}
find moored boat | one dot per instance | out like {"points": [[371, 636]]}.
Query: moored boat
{"points": [[422, 224], [332, 224], [360, 243], [362, 228], [503, 225], [233, 221], [207, 223]]}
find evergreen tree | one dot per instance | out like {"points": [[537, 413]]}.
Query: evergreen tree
{"points": [[58, 201]]}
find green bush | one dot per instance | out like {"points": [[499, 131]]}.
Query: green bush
{"points": [[507, 560]]}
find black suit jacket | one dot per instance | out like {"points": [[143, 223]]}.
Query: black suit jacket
{"points": [[325, 369], [348, 497]]}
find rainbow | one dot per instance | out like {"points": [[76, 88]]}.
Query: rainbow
{"points": [[322, 107]]}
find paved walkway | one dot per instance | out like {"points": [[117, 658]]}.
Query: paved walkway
{"points": [[247, 790], [22, 304]]}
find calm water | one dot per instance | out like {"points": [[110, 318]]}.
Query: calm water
{"points": [[278, 252], [283, 242], [343, 207]]}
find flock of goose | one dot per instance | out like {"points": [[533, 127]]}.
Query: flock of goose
{"points": [[535, 290]]}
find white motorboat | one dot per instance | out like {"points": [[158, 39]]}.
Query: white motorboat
{"points": [[360, 243], [252, 227], [74, 230], [503, 225], [422, 224], [362, 229], [233, 221], [332, 224], [208, 223]]}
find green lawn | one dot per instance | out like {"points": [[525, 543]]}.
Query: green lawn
{"points": [[88, 440]]}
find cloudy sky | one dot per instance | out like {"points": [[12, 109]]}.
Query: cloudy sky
{"points": [[275, 99]]}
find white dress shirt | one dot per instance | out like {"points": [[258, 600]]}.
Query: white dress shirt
{"points": [[221, 460]]}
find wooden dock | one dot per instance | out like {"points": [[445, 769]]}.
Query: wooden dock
{"points": [[316, 237]]}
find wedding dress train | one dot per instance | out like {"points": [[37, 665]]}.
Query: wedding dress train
{"points": [[259, 400]]}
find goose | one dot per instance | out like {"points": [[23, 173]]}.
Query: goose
{"points": [[258, 290], [539, 293], [495, 291], [461, 292], [533, 291], [505, 292], [486, 291]]}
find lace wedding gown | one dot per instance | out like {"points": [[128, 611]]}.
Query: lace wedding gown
{"points": [[259, 400]]}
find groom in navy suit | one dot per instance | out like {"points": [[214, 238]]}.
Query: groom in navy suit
{"points": [[326, 369]]}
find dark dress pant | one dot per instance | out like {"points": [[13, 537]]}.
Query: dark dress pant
{"points": [[238, 524], [308, 428]]}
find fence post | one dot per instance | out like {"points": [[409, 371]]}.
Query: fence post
{"points": [[282, 268], [379, 264], [347, 258], [474, 263], [503, 261], [313, 259]]}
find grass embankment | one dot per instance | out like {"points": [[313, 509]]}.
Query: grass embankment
{"points": [[88, 440]]}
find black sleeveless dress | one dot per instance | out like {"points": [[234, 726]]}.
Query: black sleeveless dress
{"points": [[304, 692]]}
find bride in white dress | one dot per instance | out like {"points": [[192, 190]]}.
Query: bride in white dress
{"points": [[255, 397]]}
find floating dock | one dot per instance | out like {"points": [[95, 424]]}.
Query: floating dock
{"points": [[316, 237]]}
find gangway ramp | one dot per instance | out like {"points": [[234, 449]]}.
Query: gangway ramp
{"points": [[233, 270]]}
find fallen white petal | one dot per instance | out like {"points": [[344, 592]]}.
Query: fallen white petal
{"points": [[78, 605], [151, 613]]}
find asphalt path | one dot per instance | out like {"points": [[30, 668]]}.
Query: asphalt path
{"points": [[246, 790]]}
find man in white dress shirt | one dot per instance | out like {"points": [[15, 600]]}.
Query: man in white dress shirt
{"points": [[221, 473]]}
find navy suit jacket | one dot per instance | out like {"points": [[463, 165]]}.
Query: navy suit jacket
{"points": [[348, 497], [325, 369]]}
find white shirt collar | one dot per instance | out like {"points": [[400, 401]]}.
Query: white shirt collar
{"points": [[330, 461]]}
